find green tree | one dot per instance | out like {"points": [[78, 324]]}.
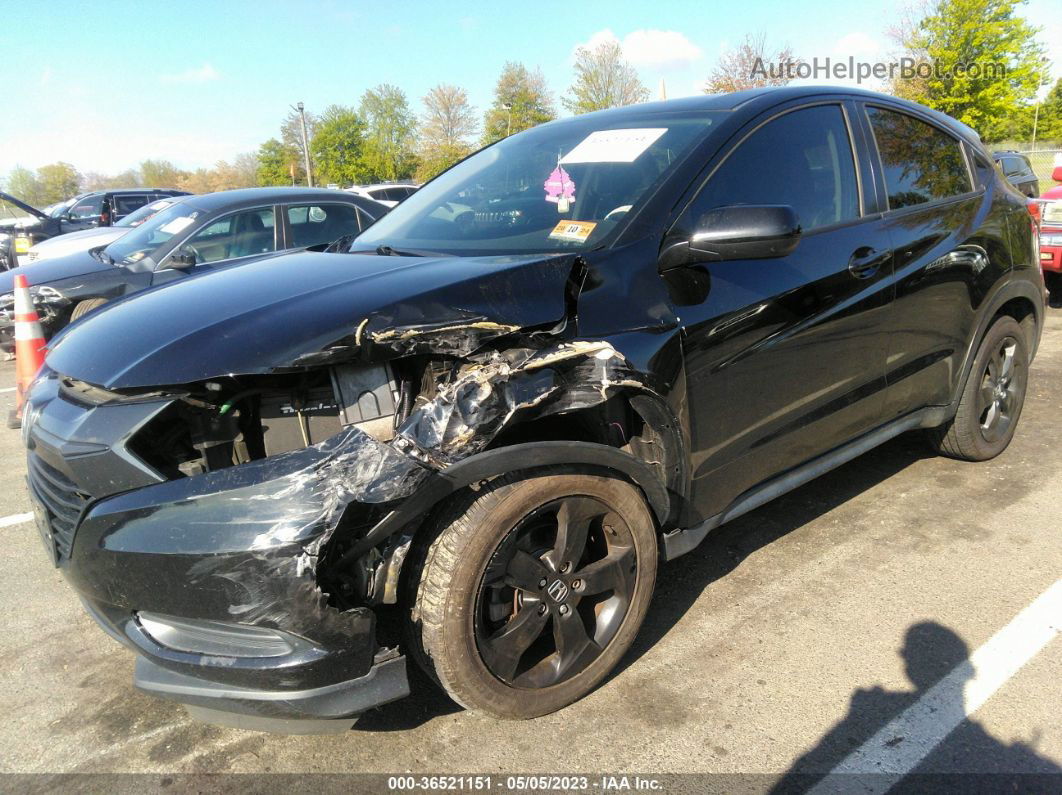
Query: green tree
{"points": [[23, 184], [603, 79], [337, 146], [957, 34], [389, 134], [446, 130], [521, 100], [1049, 120], [275, 162], [57, 181], [159, 174]]}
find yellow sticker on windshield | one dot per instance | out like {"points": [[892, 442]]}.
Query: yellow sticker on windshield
{"points": [[577, 231]]}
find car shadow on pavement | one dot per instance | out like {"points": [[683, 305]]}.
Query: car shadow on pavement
{"points": [[680, 583], [968, 760]]}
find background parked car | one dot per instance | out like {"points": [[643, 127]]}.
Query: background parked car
{"points": [[1019, 172], [389, 193], [193, 236], [98, 208], [96, 236], [1051, 234]]}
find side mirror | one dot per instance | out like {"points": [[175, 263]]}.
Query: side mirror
{"points": [[182, 259], [738, 232]]}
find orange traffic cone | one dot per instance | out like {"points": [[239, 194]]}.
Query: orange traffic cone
{"points": [[29, 346]]}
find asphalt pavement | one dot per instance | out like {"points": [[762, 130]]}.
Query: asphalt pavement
{"points": [[836, 626]]}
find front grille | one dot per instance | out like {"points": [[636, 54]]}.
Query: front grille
{"points": [[60, 496]]}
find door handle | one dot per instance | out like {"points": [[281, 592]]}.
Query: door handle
{"points": [[866, 261]]}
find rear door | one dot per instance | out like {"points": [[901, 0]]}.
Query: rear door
{"points": [[786, 357], [949, 250]]}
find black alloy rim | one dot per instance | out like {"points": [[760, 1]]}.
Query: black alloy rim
{"points": [[1000, 391], [555, 592]]}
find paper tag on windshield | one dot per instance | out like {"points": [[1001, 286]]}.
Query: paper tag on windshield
{"points": [[613, 146], [577, 231], [176, 225]]}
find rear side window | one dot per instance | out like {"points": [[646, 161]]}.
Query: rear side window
{"points": [[123, 205], [802, 158], [921, 163], [314, 224]]}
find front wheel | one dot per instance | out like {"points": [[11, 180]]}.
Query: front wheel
{"points": [[992, 399], [533, 590]]}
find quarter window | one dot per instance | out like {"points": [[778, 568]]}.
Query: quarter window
{"points": [[314, 224], [921, 163], [802, 158]]}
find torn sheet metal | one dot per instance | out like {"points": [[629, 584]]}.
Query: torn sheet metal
{"points": [[297, 514]]}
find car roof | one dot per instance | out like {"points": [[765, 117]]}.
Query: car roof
{"points": [[227, 199], [754, 100]]}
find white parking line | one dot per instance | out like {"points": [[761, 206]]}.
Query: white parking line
{"points": [[9, 389], [16, 518], [906, 740]]}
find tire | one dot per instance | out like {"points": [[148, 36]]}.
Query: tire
{"points": [[992, 398], [85, 307], [500, 622]]}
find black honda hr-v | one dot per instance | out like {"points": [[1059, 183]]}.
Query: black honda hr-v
{"points": [[470, 435]]}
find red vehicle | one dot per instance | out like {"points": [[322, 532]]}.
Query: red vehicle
{"points": [[1051, 234]]}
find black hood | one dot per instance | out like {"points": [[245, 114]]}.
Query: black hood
{"points": [[53, 270], [306, 308]]}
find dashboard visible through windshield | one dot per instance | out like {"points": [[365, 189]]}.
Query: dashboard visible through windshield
{"points": [[566, 186]]}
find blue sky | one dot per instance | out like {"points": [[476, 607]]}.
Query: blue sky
{"points": [[105, 84]]}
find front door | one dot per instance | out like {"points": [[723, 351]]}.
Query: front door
{"points": [[785, 357]]}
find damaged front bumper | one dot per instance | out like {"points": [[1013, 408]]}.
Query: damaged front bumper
{"points": [[211, 579]]}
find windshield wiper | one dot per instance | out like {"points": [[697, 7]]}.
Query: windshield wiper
{"points": [[391, 251]]}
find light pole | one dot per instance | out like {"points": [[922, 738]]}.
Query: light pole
{"points": [[509, 122], [1036, 113], [305, 143]]}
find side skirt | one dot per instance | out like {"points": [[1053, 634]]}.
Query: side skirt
{"points": [[679, 542]]}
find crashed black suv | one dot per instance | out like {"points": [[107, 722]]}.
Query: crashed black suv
{"points": [[470, 439]]}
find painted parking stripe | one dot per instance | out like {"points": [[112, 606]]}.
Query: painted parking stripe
{"points": [[922, 726], [17, 518], [9, 389]]}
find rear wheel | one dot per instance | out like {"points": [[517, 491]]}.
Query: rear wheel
{"points": [[533, 590], [85, 307], [992, 400]]}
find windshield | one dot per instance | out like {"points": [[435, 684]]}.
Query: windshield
{"points": [[561, 187], [138, 217], [152, 235]]}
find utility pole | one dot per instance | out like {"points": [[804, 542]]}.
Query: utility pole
{"points": [[305, 143], [508, 124], [1036, 113]]}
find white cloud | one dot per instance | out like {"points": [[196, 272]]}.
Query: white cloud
{"points": [[46, 76], [858, 45], [204, 74], [658, 49]]}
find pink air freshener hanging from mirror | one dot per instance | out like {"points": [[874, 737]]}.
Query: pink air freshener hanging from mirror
{"points": [[560, 189]]}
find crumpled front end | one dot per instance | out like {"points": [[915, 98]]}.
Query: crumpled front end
{"points": [[230, 530]]}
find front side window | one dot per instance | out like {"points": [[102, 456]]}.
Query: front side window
{"points": [[921, 163], [241, 234], [802, 159], [565, 186], [88, 208], [314, 224]]}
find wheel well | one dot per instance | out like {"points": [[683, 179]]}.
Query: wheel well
{"points": [[1023, 311]]}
